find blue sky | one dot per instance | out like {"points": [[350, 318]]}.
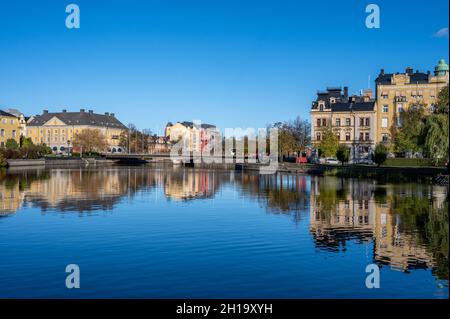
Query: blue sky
{"points": [[226, 62]]}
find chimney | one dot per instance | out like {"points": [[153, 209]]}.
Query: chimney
{"points": [[409, 70], [91, 112], [346, 92], [382, 72], [45, 112], [112, 114], [82, 110], [107, 113], [64, 110]]}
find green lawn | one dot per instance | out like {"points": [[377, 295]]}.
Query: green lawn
{"points": [[409, 162]]}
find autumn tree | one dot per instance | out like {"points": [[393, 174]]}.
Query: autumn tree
{"points": [[329, 143], [90, 140]]}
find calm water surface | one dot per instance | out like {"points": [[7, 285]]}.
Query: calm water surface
{"points": [[178, 233]]}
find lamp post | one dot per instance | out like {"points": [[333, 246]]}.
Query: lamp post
{"points": [[354, 133], [68, 148]]}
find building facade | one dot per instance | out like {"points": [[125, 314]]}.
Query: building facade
{"points": [[57, 130], [9, 128], [197, 137], [397, 92], [351, 118]]}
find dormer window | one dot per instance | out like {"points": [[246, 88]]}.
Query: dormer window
{"points": [[321, 105]]}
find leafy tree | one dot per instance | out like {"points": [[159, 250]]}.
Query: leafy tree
{"points": [[329, 143], [25, 141], [380, 154], [442, 102], [343, 154], [11, 144], [409, 136], [437, 137], [90, 140]]}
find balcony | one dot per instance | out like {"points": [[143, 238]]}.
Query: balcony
{"points": [[399, 99]]}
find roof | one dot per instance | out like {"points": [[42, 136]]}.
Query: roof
{"points": [[417, 77], [355, 107], [191, 125], [3, 113], [79, 118]]}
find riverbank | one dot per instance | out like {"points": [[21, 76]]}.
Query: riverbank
{"points": [[383, 173]]}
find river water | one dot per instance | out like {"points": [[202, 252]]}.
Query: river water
{"points": [[140, 232]]}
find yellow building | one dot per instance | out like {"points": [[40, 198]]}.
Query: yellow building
{"points": [[57, 130], [397, 92], [352, 119], [196, 136], [9, 128]]}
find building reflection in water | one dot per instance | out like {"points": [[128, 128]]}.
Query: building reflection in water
{"points": [[407, 223]]}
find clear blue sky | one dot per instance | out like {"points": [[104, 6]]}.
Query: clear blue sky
{"points": [[226, 62]]}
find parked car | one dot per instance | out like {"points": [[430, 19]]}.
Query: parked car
{"points": [[364, 161], [331, 160]]}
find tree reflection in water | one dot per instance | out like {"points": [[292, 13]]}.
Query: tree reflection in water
{"points": [[407, 223]]}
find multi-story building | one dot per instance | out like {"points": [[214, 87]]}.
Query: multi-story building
{"points": [[23, 120], [397, 92], [352, 119], [57, 130], [9, 128], [197, 137]]}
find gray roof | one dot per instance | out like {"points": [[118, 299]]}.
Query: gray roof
{"points": [[191, 125], [3, 113], [417, 77], [80, 118], [355, 107]]}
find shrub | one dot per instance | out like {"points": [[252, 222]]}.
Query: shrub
{"points": [[380, 154], [343, 154]]}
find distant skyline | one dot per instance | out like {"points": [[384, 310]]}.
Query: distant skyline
{"points": [[229, 63]]}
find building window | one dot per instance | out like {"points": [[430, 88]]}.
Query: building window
{"points": [[367, 121], [400, 108], [361, 136], [384, 122], [318, 136], [338, 122], [385, 108], [14, 133], [361, 122], [324, 122], [347, 136], [319, 122], [2, 133], [384, 137], [348, 122], [367, 136]]}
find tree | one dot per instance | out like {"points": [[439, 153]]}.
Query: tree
{"points": [[437, 137], [329, 144], [136, 141], [90, 140], [380, 154], [410, 135], [25, 141], [11, 144], [343, 154], [442, 102]]}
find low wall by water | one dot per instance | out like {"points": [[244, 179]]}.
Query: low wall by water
{"points": [[25, 162]]}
